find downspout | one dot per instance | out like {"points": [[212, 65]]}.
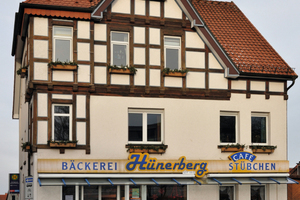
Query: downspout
{"points": [[291, 84]]}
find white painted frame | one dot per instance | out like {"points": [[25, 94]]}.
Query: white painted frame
{"points": [[63, 114], [69, 38], [145, 112], [237, 125], [266, 115], [120, 43], [172, 47]]}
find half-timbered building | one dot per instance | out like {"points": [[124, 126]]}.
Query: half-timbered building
{"points": [[148, 99]]}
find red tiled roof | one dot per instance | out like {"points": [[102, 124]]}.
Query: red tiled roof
{"points": [[67, 3], [247, 48], [3, 197]]}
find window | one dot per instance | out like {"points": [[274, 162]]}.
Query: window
{"points": [[226, 192], [258, 192], [61, 122], [228, 127], [166, 192], [68, 192], [62, 44], [259, 128], [172, 52], [119, 49], [145, 126]]}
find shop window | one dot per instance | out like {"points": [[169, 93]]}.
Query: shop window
{"points": [[166, 192], [111, 192], [68, 193], [62, 122], [226, 192], [258, 192], [145, 126], [119, 48], [259, 123], [62, 43], [172, 52], [228, 128], [135, 192], [88, 193]]}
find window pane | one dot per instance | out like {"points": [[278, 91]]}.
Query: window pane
{"points": [[62, 50], [258, 129], [257, 192], [172, 58], [61, 109], [68, 192], [153, 127], [135, 192], [164, 192], [135, 128], [109, 192], [119, 55], [91, 192], [226, 193], [172, 41], [63, 31], [61, 128], [227, 129], [120, 37]]}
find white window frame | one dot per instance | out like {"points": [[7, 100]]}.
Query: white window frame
{"points": [[145, 112], [265, 186], [234, 190], [63, 114], [236, 114], [266, 115], [120, 43], [55, 37], [172, 47]]}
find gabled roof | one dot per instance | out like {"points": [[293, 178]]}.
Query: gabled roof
{"points": [[65, 3], [3, 197], [294, 172]]}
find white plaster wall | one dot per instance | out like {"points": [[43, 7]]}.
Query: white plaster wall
{"points": [[65, 76], [282, 191], [192, 40], [83, 30], [140, 77], [83, 51], [243, 192], [100, 53], [276, 87], [195, 59], [172, 10], [139, 35], [173, 81], [80, 106], [203, 192], [100, 75], [213, 63], [238, 85], [100, 32], [139, 7], [154, 79], [121, 6], [42, 132], [195, 80], [217, 81], [258, 85], [54, 192], [81, 132], [154, 57], [119, 79], [154, 35], [154, 8], [62, 96], [84, 73], [40, 49], [42, 104], [40, 26], [139, 56]]}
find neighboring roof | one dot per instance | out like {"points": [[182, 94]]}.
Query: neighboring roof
{"points": [[3, 197], [242, 42], [294, 172], [65, 3]]}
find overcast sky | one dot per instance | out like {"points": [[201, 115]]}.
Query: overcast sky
{"points": [[277, 20]]}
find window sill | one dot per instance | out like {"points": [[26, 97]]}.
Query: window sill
{"points": [[120, 71], [228, 148], [262, 149], [146, 148], [63, 144], [175, 74], [64, 67]]}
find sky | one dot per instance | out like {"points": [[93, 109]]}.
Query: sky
{"points": [[277, 20]]}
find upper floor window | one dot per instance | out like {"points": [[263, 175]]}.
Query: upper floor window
{"points": [[145, 126], [119, 48], [61, 122], [226, 192], [228, 127], [172, 52], [62, 44], [259, 128]]}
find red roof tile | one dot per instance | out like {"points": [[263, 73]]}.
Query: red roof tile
{"points": [[247, 48], [67, 3], [3, 197]]}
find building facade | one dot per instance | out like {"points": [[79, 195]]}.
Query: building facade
{"points": [[144, 99]]}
